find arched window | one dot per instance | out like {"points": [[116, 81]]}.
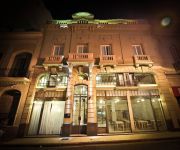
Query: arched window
{"points": [[9, 102], [43, 81], [20, 65]]}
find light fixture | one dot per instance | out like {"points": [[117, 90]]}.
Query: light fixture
{"points": [[166, 21]]}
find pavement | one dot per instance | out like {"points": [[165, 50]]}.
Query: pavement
{"points": [[99, 139]]}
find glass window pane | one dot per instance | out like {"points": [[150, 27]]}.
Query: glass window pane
{"points": [[156, 103], [145, 78], [43, 81], [143, 113], [80, 90], [106, 79], [101, 112], [118, 114], [58, 50], [121, 79]]}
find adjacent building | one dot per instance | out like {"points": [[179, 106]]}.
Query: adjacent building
{"points": [[89, 76]]}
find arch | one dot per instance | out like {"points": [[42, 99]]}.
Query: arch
{"points": [[40, 81], [83, 89], [14, 55], [20, 65], [9, 102]]}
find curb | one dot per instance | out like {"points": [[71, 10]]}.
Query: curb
{"points": [[43, 144]]}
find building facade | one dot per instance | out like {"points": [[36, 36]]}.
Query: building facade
{"points": [[89, 76]]}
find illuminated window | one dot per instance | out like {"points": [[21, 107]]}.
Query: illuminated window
{"points": [[106, 49], [58, 50], [137, 49], [53, 80], [109, 79], [83, 48], [43, 81]]}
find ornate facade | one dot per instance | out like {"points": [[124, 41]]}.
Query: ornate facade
{"points": [[89, 76]]}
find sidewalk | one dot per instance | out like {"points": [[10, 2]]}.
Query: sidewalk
{"points": [[65, 141]]}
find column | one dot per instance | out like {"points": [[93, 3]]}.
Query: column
{"points": [[66, 129], [92, 116]]}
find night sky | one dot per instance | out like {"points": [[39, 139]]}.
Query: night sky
{"points": [[62, 9], [16, 13]]}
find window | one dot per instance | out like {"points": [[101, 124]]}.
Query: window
{"points": [[53, 80], [101, 112], [20, 65], [129, 79], [144, 78], [106, 79], [106, 50], [82, 48], [137, 49], [58, 50], [43, 81]]}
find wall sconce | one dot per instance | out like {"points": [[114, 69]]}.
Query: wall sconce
{"points": [[89, 97], [67, 97]]}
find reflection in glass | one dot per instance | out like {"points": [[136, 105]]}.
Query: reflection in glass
{"points": [[144, 118], [80, 90], [101, 112], [158, 112], [118, 114], [80, 111]]}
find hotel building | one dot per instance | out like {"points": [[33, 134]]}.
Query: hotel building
{"points": [[89, 76]]}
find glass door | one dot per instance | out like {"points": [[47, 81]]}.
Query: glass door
{"points": [[80, 114], [80, 110]]}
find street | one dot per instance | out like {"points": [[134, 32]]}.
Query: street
{"points": [[173, 144]]}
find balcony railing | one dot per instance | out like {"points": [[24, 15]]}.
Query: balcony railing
{"points": [[53, 60], [108, 59], [142, 60], [80, 57]]}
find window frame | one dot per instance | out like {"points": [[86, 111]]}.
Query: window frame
{"points": [[105, 51], [82, 48], [60, 51], [135, 49]]}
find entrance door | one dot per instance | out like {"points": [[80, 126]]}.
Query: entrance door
{"points": [[47, 117], [80, 110]]}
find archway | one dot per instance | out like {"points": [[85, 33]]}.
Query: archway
{"points": [[9, 102]]}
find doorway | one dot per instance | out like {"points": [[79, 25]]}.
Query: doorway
{"points": [[80, 110], [47, 117], [9, 102]]}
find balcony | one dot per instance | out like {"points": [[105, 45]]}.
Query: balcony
{"points": [[107, 60], [142, 60], [53, 60], [80, 58]]}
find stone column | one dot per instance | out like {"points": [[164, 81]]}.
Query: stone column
{"points": [[92, 117], [66, 129]]}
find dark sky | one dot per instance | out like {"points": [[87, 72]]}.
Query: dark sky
{"points": [[63, 9], [17, 13]]}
